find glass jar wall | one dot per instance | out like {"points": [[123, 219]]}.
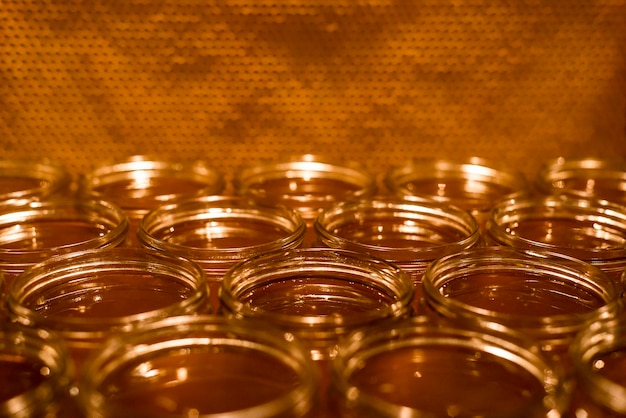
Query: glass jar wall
{"points": [[307, 184], [91, 295], [33, 231], [409, 234], [217, 232], [200, 366], [426, 367], [599, 359], [590, 230], [592, 178], [545, 296], [474, 184], [319, 295], [29, 179], [141, 183]]}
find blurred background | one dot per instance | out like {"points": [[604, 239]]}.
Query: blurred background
{"points": [[84, 82]]}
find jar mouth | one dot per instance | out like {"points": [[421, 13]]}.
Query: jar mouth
{"points": [[475, 184], [403, 232], [220, 230], [89, 294], [596, 230], [219, 346], [32, 231], [547, 295], [317, 293], [140, 182], [277, 181], [36, 179], [437, 345], [45, 357], [584, 178], [597, 343]]}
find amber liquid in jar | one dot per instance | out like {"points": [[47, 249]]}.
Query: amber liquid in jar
{"points": [[449, 383], [210, 381], [521, 294]]}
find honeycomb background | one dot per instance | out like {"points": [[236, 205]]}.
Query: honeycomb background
{"points": [[88, 81]]}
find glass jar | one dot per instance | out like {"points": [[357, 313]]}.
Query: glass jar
{"points": [[474, 184], [306, 183], [599, 358], [409, 234], [35, 372], [545, 296], [591, 178], [590, 230], [430, 368], [201, 366], [317, 294], [33, 231], [141, 183], [219, 231], [91, 295], [30, 179]]}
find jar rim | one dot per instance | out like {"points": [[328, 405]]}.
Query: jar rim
{"points": [[559, 207], [355, 350], [51, 279], [144, 168], [216, 208], [52, 178], [400, 210], [556, 267], [203, 332], [19, 212], [346, 266]]}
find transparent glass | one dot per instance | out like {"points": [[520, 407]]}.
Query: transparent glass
{"points": [[318, 295], [34, 372], [33, 231], [141, 183], [599, 358], [591, 230], [219, 231], [426, 368], [406, 233], [594, 178], [91, 295], [306, 183], [547, 297], [30, 179], [474, 184], [200, 366]]}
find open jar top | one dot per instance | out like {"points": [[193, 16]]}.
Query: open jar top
{"points": [[317, 294], [32, 231], [220, 230], [96, 292], [474, 184], [204, 366], [595, 178], [587, 229], [427, 367], [401, 231], [307, 183], [546, 295], [141, 182], [26, 179]]}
